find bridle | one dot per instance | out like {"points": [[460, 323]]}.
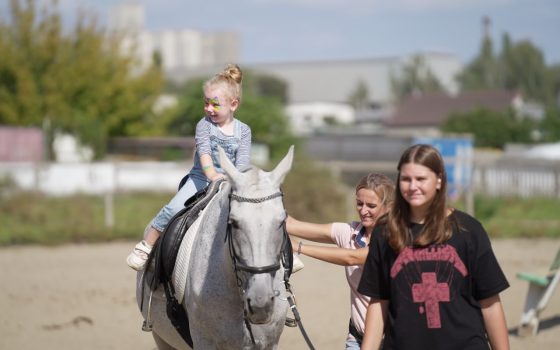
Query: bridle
{"points": [[237, 264]]}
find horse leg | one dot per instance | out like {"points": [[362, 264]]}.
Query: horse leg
{"points": [[160, 343]]}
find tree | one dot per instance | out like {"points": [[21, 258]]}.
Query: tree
{"points": [[523, 68], [490, 128], [550, 126], [79, 81], [482, 72], [359, 97], [519, 66], [268, 86], [415, 78]]}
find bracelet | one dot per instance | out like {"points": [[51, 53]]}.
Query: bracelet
{"points": [[206, 167], [299, 247]]}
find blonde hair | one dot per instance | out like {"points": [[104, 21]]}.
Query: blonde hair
{"points": [[229, 79], [383, 187]]}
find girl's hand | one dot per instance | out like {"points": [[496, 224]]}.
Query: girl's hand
{"points": [[217, 177]]}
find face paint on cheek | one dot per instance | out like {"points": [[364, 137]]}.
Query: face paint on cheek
{"points": [[216, 103]]}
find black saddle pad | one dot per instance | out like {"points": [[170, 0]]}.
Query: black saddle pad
{"points": [[167, 246]]}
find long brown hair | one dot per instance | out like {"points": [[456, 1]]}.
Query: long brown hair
{"points": [[437, 228]]}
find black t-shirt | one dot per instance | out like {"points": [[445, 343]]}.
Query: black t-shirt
{"points": [[433, 291]]}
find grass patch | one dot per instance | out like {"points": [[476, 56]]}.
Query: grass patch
{"points": [[32, 218], [517, 217], [514, 217]]}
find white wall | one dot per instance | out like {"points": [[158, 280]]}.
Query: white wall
{"points": [[306, 117], [61, 179]]}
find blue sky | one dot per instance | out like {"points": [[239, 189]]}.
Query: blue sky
{"points": [[295, 30]]}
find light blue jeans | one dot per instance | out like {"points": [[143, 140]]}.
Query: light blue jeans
{"points": [[352, 345], [193, 185]]}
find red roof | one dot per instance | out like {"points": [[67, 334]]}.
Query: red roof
{"points": [[432, 109]]}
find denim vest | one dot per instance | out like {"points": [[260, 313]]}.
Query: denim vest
{"points": [[229, 143]]}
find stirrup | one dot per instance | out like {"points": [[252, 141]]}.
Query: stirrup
{"points": [[291, 321], [147, 325]]}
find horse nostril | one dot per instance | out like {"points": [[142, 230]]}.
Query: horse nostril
{"points": [[276, 294]]}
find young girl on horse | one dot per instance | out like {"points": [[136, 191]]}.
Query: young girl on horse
{"points": [[219, 127]]}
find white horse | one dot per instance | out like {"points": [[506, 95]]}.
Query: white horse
{"points": [[234, 293]]}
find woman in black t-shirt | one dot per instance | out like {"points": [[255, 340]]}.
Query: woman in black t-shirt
{"points": [[432, 276]]}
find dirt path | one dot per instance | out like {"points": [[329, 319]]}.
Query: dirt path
{"points": [[82, 297]]}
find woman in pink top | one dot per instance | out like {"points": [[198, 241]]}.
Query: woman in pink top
{"points": [[374, 193]]}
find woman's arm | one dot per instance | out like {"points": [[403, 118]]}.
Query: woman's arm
{"points": [[375, 323], [495, 322], [334, 255], [309, 231]]}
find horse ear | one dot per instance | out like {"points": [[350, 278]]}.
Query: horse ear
{"points": [[227, 165], [282, 169]]}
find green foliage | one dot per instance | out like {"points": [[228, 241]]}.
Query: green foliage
{"points": [[550, 126], [34, 218], [359, 97], [416, 78], [75, 81], [515, 217], [182, 120], [482, 72], [489, 128], [267, 86], [524, 69], [518, 66], [312, 193]]}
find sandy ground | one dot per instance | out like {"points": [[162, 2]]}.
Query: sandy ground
{"points": [[82, 297]]}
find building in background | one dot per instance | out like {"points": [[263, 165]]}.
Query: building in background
{"points": [[178, 48], [319, 92], [424, 114], [19, 144]]}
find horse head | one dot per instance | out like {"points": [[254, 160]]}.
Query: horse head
{"points": [[256, 233]]}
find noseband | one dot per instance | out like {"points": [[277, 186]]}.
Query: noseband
{"points": [[234, 256]]}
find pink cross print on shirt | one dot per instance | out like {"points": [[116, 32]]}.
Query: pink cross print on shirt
{"points": [[431, 293]]}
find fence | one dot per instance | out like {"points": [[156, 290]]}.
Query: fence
{"points": [[95, 178], [518, 177], [506, 177]]}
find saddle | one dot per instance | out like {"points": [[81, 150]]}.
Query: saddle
{"points": [[167, 247]]}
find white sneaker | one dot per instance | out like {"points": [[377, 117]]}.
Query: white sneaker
{"points": [[297, 264], [137, 259]]}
